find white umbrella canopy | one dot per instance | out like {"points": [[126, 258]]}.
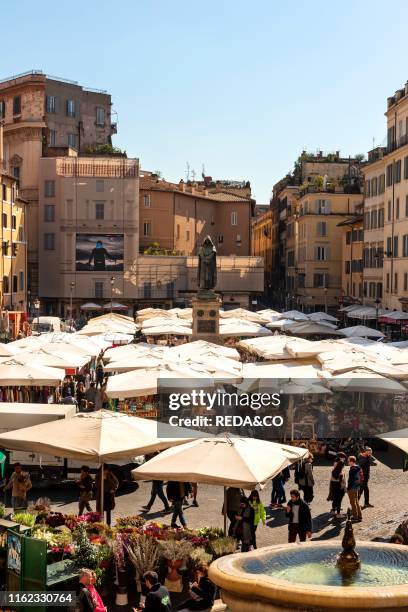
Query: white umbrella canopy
{"points": [[362, 381], [99, 436], [201, 347], [5, 351], [295, 315], [397, 438], [279, 323], [301, 348], [365, 312], [168, 329], [222, 460], [133, 351], [360, 331], [321, 316], [115, 306], [241, 327], [247, 315], [341, 362], [272, 347], [91, 306], [133, 362], [396, 315], [163, 321], [41, 358], [310, 328], [15, 374]]}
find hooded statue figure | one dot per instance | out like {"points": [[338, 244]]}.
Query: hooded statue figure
{"points": [[207, 265]]}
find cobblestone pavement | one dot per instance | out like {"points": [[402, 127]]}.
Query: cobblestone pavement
{"points": [[388, 494]]}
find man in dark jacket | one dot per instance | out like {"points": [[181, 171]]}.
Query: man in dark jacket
{"points": [[158, 597], [364, 461], [300, 518], [353, 488]]}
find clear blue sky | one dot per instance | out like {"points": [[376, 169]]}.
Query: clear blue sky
{"points": [[240, 86]]}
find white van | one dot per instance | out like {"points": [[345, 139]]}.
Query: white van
{"points": [[46, 325]]}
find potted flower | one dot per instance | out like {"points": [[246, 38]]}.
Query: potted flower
{"points": [[175, 552], [223, 546], [144, 554]]}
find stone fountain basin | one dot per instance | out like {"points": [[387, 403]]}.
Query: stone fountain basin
{"points": [[243, 590]]}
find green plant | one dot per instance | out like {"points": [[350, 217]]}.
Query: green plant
{"points": [[318, 182], [86, 554], [105, 149], [198, 555], [210, 532], [223, 546], [173, 550], [144, 553], [25, 518]]}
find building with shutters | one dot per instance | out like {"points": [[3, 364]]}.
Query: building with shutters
{"points": [[395, 196], [13, 273], [352, 258], [45, 116]]}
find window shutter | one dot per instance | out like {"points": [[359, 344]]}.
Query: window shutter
{"points": [[328, 207]]}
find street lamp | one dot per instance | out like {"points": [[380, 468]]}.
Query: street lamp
{"points": [[112, 281], [71, 289], [37, 305], [325, 299]]}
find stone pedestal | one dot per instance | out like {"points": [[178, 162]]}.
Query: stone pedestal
{"points": [[206, 316]]}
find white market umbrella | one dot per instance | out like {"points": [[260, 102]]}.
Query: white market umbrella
{"points": [[115, 306], [170, 329], [295, 315], [14, 374], [222, 460], [397, 438], [362, 381], [272, 347], [361, 331], [321, 316], [190, 350], [279, 323], [310, 328], [91, 306], [247, 315], [241, 327], [100, 436], [133, 362]]}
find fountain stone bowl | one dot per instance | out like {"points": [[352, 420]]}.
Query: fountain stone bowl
{"points": [[306, 577]]}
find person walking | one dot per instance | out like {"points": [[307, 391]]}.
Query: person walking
{"points": [[110, 486], [259, 512], [202, 592], [176, 492], [80, 394], [20, 484], [157, 491], [300, 518], [158, 597], [364, 461], [244, 526], [99, 374], [337, 485], [233, 499], [307, 482], [353, 488], [85, 485], [90, 395]]}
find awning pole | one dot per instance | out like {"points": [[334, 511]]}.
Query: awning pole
{"points": [[101, 492], [225, 511]]}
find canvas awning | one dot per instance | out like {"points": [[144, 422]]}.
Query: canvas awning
{"points": [[222, 460], [361, 331], [91, 306], [14, 374], [96, 436]]}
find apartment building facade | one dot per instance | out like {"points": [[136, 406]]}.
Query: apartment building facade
{"points": [[352, 259], [45, 115], [13, 273], [395, 278], [176, 217], [373, 249], [88, 229]]}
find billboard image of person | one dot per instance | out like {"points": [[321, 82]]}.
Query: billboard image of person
{"points": [[99, 252]]}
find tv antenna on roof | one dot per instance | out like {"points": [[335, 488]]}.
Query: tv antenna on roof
{"points": [[193, 174], [187, 171]]}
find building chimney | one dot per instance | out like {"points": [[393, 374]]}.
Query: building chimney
{"points": [[182, 186]]}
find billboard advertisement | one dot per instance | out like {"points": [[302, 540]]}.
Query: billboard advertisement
{"points": [[99, 252]]}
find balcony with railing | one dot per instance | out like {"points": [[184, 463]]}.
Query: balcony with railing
{"points": [[397, 143]]}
